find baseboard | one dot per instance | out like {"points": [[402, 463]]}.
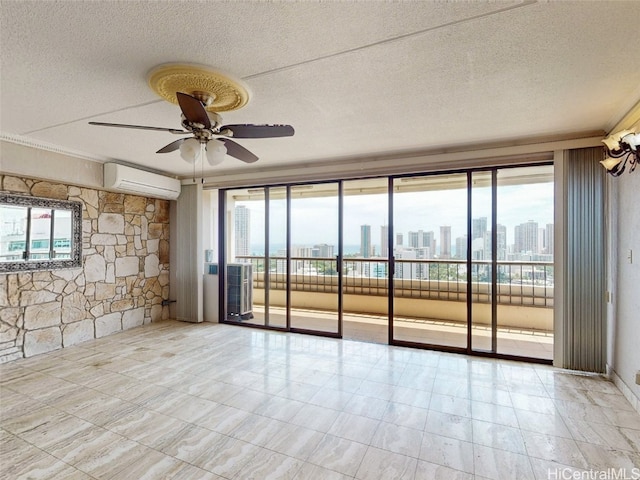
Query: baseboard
{"points": [[626, 391]]}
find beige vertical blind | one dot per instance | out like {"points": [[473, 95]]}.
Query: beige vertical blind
{"points": [[584, 288], [190, 255]]}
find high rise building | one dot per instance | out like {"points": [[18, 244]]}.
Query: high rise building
{"points": [[429, 240], [422, 239], [461, 247], [413, 240], [526, 237], [548, 239], [445, 242], [323, 250], [501, 242], [399, 239], [478, 227], [365, 241], [384, 241], [242, 230]]}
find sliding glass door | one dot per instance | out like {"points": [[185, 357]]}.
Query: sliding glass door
{"points": [[365, 266], [453, 261], [430, 251], [524, 212], [481, 301], [313, 258], [244, 269]]}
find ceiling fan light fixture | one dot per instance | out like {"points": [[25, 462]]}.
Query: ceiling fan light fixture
{"points": [[632, 139], [610, 163], [217, 91], [190, 150], [621, 148], [216, 152]]}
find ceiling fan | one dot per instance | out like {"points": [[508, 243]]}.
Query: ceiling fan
{"points": [[210, 137]]}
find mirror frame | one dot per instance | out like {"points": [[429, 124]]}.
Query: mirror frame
{"points": [[76, 233]]}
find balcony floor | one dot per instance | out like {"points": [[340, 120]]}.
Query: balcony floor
{"points": [[372, 328]]}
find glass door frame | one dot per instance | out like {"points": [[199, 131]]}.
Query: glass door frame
{"points": [[469, 350], [222, 260]]}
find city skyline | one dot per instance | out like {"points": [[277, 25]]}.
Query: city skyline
{"points": [[315, 220]]}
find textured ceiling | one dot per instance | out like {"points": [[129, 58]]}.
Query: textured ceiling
{"points": [[353, 78]]}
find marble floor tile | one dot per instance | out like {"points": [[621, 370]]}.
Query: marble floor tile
{"points": [[222, 418], [449, 425], [268, 465], [182, 406], [146, 426], [339, 454], [187, 471], [48, 433], [610, 400], [188, 442], [378, 464], [108, 409], [556, 449], [15, 405], [531, 403], [327, 397], [207, 401], [299, 391], [227, 457], [494, 463], [315, 417], [35, 463], [103, 456], [309, 471], [152, 466], [257, 429], [498, 436], [367, 406], [542, 423], [452, 387], [354, 427], [622, 418], [448, 452], [411, 396], [279, 408], [295, 441], [405, 415], [30, 419], [602, 458], [491, 393], [397, 439], [247, 399], [449, 404], [433, 471], [490, 412]]}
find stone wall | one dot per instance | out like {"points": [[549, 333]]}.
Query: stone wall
{"points": [[124, 280]]}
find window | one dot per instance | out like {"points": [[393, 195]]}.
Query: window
{"points": [[39, 233]]}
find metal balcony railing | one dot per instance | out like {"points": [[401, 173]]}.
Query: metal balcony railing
{"points": [[518, 283]]}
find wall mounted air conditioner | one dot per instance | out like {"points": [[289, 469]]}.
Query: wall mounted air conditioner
{"points": [[138, 182]]}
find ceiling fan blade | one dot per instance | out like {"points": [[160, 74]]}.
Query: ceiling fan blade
{"points": [[193, 110], [140, 127], [259, 131], [238, 151], [172, 146]]}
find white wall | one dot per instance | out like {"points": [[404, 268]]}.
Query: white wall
{"points": [[625, 341]]}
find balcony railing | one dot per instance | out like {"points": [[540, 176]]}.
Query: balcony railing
{"points": [[518, 283]]}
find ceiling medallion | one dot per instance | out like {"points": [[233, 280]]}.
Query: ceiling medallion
{"points": [[216, 91]]}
